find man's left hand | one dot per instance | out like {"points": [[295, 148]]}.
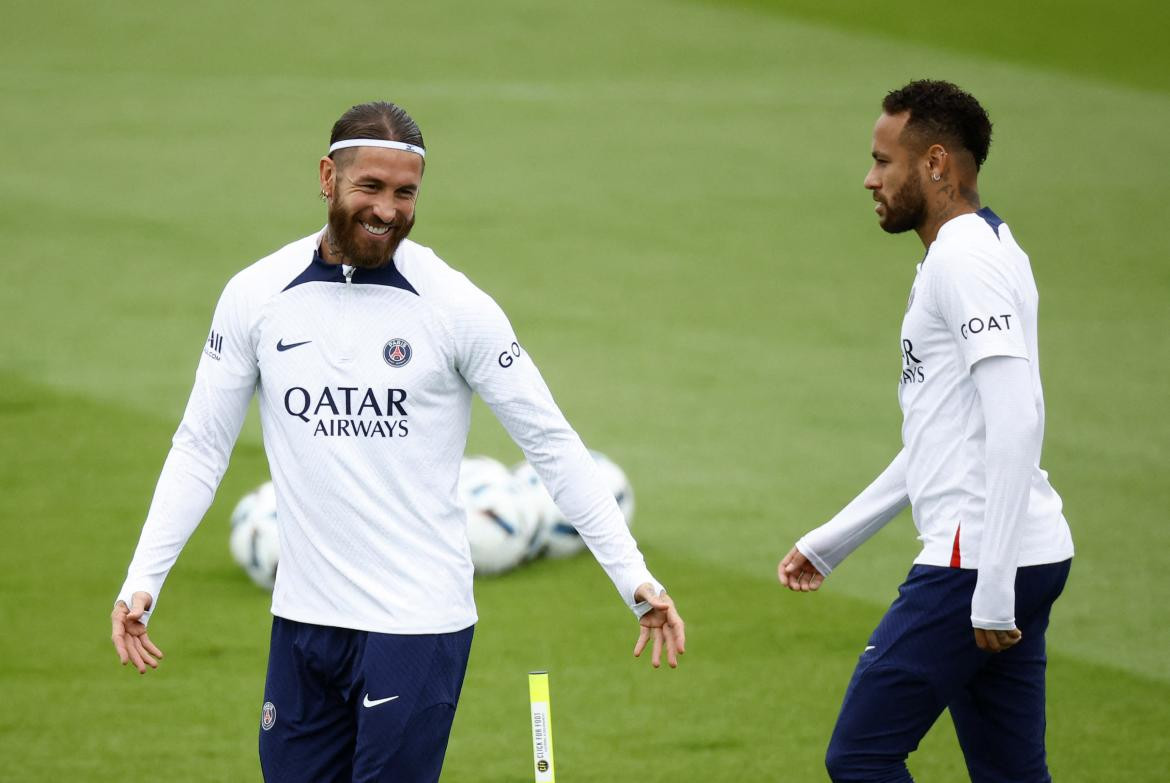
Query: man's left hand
{"points": [[997, 641], [662, 623]]}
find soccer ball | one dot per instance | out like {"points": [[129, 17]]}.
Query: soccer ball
{"points": [[556, 537], [500, 523], [478, 472], [254, 540]]}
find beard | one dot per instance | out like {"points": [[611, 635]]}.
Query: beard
{"points": [[906, 209], [356, 247]]}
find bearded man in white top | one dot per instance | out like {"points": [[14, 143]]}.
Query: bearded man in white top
{"points": [[966, 632], [364, 349]]}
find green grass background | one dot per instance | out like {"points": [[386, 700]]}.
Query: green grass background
{"points": [[666, 198]]}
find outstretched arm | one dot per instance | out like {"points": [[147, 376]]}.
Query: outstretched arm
{"points": [[821, 550], [185, 489], [491, 360], [224, 383]]}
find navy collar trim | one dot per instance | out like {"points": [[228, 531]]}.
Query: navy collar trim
{"points": [[993, 220], [320, 271]]}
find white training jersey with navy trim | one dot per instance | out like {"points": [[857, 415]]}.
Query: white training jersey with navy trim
{"points": [[974, 297], [365, 380]]}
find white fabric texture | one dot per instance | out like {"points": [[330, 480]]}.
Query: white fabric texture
{"points": [[365, 391]]}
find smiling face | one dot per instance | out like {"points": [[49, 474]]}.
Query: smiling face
{"points": [[896, 177], [372, 193]]}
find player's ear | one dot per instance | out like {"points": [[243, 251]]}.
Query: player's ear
{"points": [[937, 161], [327, 175]]}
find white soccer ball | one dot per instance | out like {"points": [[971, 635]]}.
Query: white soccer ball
{"points": [[500, 522], [478, 472], [254, 540]]}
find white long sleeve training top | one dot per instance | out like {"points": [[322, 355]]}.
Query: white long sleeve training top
{"points": [[365, 380], [973, 424]]}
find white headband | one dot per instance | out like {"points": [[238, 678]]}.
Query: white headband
{"points": [[390, 145]]}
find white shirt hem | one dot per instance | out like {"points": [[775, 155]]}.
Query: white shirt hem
{"points": [[406, 629]]}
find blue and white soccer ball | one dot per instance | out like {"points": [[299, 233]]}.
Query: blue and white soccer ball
{"points": [[500, 521], [478, 472], [254, 540], [556, 537]]}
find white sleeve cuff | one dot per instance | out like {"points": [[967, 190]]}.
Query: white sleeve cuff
{"points": [[993, 625], [818, 562]]}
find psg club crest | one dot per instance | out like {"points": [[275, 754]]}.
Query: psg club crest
{"points": [[268, 716], [397, 352]]}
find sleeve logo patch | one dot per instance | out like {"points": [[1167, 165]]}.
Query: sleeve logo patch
{"points": [[214, 347], [397, 352], [510, 355], [992, 323]]}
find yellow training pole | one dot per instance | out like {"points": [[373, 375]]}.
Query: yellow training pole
{"points": [[542, 747]]}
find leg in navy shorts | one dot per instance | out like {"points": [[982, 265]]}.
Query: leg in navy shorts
{"points": [[922, 659], [345, 705]]}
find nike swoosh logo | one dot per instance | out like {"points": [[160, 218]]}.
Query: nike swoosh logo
{"points": [[867, 649], [280, 346], [366, 702]]}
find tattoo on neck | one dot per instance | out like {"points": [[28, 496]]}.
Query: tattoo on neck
{"points": [[334, 248], [970, 195]]}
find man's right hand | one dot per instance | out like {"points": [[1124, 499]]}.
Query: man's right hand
{"points": [[663, 623], [798, 574], [129, 635]]}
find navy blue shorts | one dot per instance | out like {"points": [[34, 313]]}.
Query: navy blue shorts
{"points": [[922, 659], [345, 705]]}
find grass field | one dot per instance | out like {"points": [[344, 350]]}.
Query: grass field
{"points": [[666, 198]]}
